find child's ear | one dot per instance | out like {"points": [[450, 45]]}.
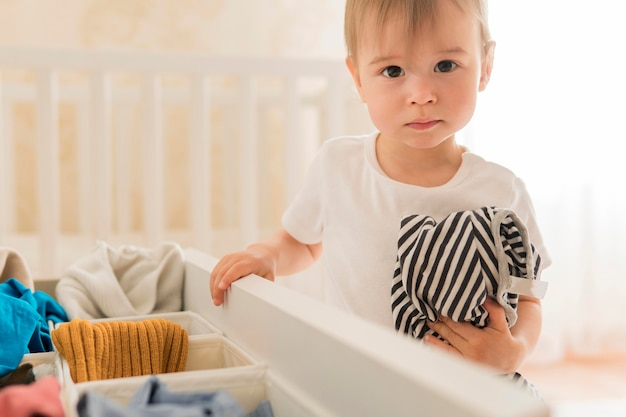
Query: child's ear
{"points": [[354, 71], [487, 65]]}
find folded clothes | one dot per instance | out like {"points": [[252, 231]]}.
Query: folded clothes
{"points": [[118, 349], [42, 398], [123, 281], [154, 399], [449, 268]]}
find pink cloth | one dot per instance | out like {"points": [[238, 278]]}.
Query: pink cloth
{"points": [[41, 398]]}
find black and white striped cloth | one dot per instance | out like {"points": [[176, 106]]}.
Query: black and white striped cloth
{"points": [[449, 268]]}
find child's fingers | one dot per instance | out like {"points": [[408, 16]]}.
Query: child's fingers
{"points": [[218, 280], [216, 293], [230, 270]]}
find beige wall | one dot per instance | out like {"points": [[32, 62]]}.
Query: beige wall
{"points": [[294, 28]]}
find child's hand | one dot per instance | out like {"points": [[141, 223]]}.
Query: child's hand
{"points": [[238, 265], [493, 345]]}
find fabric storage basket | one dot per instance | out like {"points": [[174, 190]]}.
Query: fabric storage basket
{"points": [[196, 327], [206, 352], [216, 352], [45, 363], [213, 362], [246, 385]]}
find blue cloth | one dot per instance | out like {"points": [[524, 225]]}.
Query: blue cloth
{"points": [[153, 399], [24, 319]]}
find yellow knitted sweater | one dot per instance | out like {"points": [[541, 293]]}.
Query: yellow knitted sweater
{"points": [[118, 349]]}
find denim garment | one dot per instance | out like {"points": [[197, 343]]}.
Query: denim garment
{"points": [[153, 399]]}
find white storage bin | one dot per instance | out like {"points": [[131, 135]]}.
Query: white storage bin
{"points": [[200, 334], [213, 363], [46, 363], [247, 385], [216, 352]]}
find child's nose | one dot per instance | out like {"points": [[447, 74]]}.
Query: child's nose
{"points": [[421, 91]]}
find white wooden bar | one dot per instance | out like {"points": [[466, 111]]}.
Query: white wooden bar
{"points": [[48, 164], [8, 168], [335, 105], [153, 160], [101, 154], [200, 152], [171, 62], [248, 175], [122, 169], [5, 196], [293, 147], [84, 147], [230, 172]]}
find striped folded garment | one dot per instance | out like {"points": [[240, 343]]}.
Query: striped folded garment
{"points": [[118, 349], [449, 268]]}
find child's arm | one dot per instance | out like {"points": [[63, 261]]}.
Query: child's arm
{"points": [[495, 345], [281, 254]]}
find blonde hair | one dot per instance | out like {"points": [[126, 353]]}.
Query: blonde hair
{"points": [[417, 12]]}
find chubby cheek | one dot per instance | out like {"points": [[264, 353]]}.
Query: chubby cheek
{"points": [[459, 101], [467, 106], [383, 110], [381, 116]]}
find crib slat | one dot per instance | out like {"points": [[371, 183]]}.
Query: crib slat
{"points": [[335, 105], [122, 168], [83, 165], [293, 146], [8, 194], [48, 161], [5, 155], [200, 163], [248, 185], [101, 154], [153, 159], [131, 61]]}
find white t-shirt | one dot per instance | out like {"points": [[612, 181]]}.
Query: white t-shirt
{"points": [[350, 205]]}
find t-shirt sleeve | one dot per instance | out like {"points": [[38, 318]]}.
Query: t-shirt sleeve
{"points": [[523, 206]]}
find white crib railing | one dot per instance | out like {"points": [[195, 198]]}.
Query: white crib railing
{"points": [[136, 148]]}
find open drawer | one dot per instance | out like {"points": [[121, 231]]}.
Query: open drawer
{"points": [[326, 362]]}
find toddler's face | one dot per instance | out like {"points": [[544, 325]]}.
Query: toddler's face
{"points": [[420, 90]]}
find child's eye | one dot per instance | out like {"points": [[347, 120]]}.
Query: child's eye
{"points": [[393, 71], [445, 66]]}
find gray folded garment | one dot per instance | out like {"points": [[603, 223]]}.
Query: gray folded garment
{"points": [[123, 281], [154, 399]]}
